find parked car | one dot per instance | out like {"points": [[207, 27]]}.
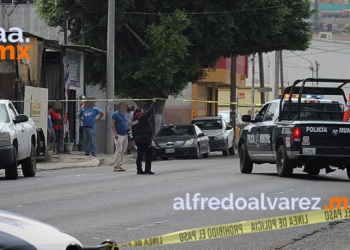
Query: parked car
{"points": [[21, 233], [221, 136], [20, 142], [181, 141], [226, 115]]}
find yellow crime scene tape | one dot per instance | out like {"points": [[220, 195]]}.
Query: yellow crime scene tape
{"points": [[244, 227], [163, 99]]}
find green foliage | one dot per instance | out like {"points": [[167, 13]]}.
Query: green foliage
{"points": [[158, 54], [346, 29]]}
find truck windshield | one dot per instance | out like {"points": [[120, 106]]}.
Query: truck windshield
{"points": [[3, 114], [315, 111]]}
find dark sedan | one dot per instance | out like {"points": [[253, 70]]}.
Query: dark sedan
{"points": [[181, 141]]}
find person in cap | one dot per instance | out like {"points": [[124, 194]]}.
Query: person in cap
{"points": [[88, 116]]}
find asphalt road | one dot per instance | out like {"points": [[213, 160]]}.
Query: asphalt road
{"points": [[94, 204]]}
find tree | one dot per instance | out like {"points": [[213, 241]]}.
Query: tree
{"points": [[158, 54], [346, 29], [258, 31]]}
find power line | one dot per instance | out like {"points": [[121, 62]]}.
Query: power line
{"points": [[209, 12], [85, 31], [57, 17]]}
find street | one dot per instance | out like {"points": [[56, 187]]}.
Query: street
{"points": [[94, 204]]}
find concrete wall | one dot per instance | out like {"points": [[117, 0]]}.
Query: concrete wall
{"points": [[186, 94], [24, 17]]}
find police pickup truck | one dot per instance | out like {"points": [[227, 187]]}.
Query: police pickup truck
{"points": [[300, 129]]}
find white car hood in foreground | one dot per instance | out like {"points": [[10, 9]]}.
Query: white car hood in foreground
{"points": [[40, 235]]}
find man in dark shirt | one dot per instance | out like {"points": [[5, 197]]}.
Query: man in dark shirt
{"points": [[143, 134]]}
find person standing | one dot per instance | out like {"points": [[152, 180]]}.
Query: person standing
{"points": [[129, 116], [143, 134], [56, 119], [119, 128], [50, 132], [88, 117]]}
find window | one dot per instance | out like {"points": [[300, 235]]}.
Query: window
{"points": [[3, 114], [13, 112], [271, 112], [176, 131], [263, 110], [315, 111], [208, 124]]}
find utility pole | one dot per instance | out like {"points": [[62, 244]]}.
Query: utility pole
{"points": [[65, 27], [316, 69], [316, 26], [281, 63], [253, 88], [233, 92], [84, 43], [262, 79], [110, 75], [277, 76]]}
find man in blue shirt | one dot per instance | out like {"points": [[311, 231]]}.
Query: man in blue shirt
{"points": [[119, 126], [51, 138], [88, 116]]}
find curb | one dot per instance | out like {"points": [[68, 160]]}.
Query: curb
{"points": [[87, 164]]}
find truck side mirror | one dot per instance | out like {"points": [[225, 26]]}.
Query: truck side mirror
{"points": [[20, 119], [246, 118]]}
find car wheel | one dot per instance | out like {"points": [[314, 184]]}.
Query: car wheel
{"points": [[225, 152], [311, 169], [154, 158], [245, 163], [284, 166], [232, 149], [348, 171], [165, 158], [207, 155], [198, 153], [11, 172], [29, 164]]}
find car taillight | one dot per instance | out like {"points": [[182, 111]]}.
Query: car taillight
{"points": [[296, 134]]}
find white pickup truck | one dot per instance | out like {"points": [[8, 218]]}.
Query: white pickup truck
{"points": [[20, 142]]}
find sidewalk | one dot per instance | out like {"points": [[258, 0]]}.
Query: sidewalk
{"points": [[77, 159]]}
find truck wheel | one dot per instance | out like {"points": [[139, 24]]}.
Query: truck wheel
{"points": [[11, 172], [231, 150], [246, 165], [311, 169], [29, 164], [284, 165]]}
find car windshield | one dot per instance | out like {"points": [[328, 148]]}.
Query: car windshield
{"points": [[225, 114], [3, 114], [208, 124], [178, 130]]}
